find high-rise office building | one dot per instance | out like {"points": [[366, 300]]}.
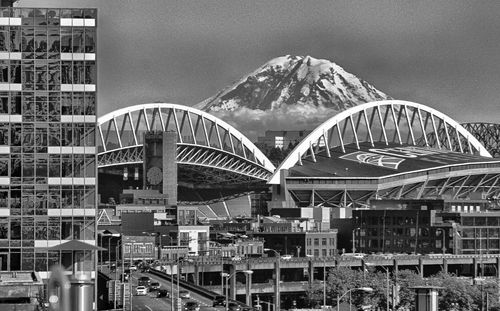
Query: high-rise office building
{"points": [[47, 137]]}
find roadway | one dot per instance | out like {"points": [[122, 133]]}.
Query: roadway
{"points": [[151, 303]]}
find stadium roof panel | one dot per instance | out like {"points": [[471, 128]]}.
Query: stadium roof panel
{"points": [[381, 160]]}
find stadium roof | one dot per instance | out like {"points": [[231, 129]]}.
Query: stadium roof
{"points": [[380, 160]]}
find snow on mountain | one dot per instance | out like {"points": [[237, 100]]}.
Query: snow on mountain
{"points": [[289, 92]]}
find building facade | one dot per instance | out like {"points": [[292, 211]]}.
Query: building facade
{"points": [[47, 135]]}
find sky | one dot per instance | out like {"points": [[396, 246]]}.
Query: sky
{"points": [[444, 54]]}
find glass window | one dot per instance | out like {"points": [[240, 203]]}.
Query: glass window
{"points": [[15, 103], [4, 71], [41, 262], [79, 72], [316, 242], [89, 134], [54, 230], [40, 17], [66, 40], [53, 17], [78, 103], [4, 103], [67, 134], [90, 40], [41, 168], [89, 13], [15, 71], [15, 39], [90, 73], [4, 40], [27, 17], [323, 241], [66, 73], [40, 40], [41, 76], [28, 39], [54, 134], [78, 42], [66, 227], [4, 166], [54, 73], [66, 166], [4, 228], [54, 165], [54, 197], [90, 104]]}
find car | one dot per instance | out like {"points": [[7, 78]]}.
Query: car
{"points": [[163, 293], [354, 255], [133, 268], [233, 306], [191, 306], [236, 258], [124, 277], [286, 257], [219, 300], [184, 294], [144, 280], [141, 290], [154, 286]]}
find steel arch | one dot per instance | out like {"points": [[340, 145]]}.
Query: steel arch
{"points": [[202, 139], [389, 121], [488, 134]]}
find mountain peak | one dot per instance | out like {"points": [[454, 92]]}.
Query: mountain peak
{"points": [[315, 88], [290, 80]]}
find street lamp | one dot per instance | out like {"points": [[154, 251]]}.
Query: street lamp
{"points": [[443, 237], [247, 273], [387, 284], [364, 289], [354, 239], [278, 277]]}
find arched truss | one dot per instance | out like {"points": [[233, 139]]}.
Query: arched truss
{"points": [[202, 140], [389, 121], [488, 134]]}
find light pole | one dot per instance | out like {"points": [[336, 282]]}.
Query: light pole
{"points": [[354, 239], [387, 285], [278, 277], [443, 237], [227, 276], [324, 282], [364, 289], [116, 267]]}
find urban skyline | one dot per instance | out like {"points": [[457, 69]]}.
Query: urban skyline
{"points": [[441, 54]]}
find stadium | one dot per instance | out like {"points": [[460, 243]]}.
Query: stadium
{"points": [[386, 150], [218, 168], [379, 150]]}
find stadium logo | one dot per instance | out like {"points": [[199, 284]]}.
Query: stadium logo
{"points": [[374, 159]]}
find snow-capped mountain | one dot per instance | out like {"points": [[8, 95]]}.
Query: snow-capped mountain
{"points": [[300, 89]]}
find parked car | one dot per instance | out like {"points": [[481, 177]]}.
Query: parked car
{"points": [[233, 306], [144, 280], [219, 301], [286, 257], [154, 286], [191, 306], [141, 291], [184, 294], [163, 293], [133, 268]]}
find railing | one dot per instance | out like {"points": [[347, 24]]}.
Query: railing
{"points": [[200, 290]]}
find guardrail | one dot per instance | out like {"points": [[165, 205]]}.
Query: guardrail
{"points": [[202, 291]]}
